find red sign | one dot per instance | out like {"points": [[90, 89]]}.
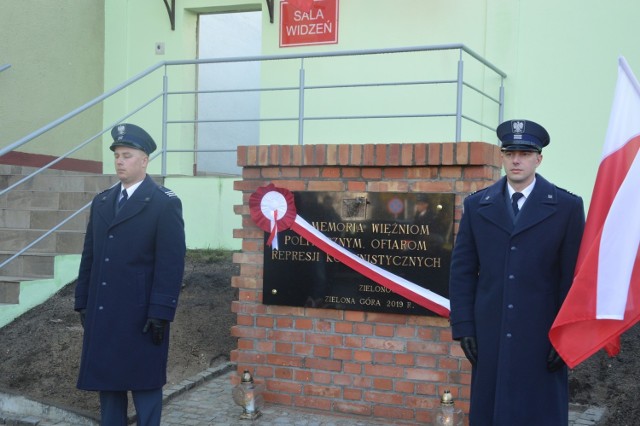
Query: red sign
{"points": [[318, 25]]}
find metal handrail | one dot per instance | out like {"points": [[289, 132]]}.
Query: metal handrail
{"points": [[301, 87], [5, 67]]}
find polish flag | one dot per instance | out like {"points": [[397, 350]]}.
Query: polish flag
{"points": [[604, 300]]}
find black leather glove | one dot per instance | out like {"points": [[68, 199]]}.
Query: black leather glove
{"points": [[470, 348], [554, 361], [157, 327], [83, 315]]}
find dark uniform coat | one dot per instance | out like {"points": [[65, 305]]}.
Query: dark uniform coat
{"points": [[131, 269], [507, 283]]}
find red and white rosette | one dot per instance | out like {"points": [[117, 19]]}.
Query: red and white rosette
{"points": [[273, 209]]}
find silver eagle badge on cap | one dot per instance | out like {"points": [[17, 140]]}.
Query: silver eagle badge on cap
{"points": [[517, 126]]}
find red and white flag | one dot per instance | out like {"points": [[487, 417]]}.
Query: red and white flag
{"points": [[604, 300]]}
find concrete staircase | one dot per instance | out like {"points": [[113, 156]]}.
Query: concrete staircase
{"points": [[31, 209]]}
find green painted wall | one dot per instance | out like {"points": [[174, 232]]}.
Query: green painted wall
{"points": [[55, 49], [560, 59], [208, 211]]}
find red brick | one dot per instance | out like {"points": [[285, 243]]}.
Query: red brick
{"points": [[426, 375], [285, 155], [286, 336], [383, 384], [296, 155], [278, 398], [302, 349], [241, 156], [383, 357], [343, 327], [343, 354], [284, 322], [252, 156], [352, 408], [323, 364], [322, 351], [404, 387], [263, 155], [451, 172], [384, 344], [406, 156], [283, 373], [381, 156], [330, 172], [330, 185], [352, 394], [368, 155], [332, 155], [352, 368], [324, 391], [303, 376], [251, 173], [393, 155], [395, 173], [424, 388], [308, 156], [351, 173], [364, 329], [435, 154], [405, 359], [321, 378], [283, 348], [343, 154], [383, 398], [356, 186], [383, 370], [311, 402], [274, 154], [309, 172], [356, 155], [292, 361], [265, 346], [462, 153], [422, 153], [372, 173], [384, 330], [284, 386], [428, 347], [362, 356], [264, 322], [304, 323]]}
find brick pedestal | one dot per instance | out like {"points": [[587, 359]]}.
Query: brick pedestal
{"points": [[371, 364]]}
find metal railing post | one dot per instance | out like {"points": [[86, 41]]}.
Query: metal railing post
{"points": [[459, 87], [301, 105], [165, 101], [501, 106]]}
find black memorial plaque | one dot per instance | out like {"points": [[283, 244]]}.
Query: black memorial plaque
{"points": [[407, 234]]}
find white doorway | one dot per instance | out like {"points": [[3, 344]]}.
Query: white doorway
{"points": [[227, 35]]}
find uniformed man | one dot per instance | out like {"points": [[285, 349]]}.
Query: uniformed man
{"points": [[128, 284], [512, 266]]}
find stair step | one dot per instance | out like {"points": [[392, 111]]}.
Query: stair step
{"points": [[29, 264], [61, 241], [10, 290]]}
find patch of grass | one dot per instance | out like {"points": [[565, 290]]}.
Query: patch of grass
{"points": [[210, 255]]}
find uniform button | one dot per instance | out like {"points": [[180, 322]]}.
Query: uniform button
{"points": [[513, 248], [106, 259], [509, 335], [511, 277], [510, 306], [104, 283], [110, 236], [100, 308]]}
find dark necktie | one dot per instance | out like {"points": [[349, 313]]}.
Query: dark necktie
{"points": [[514, 202], [123, 199]]}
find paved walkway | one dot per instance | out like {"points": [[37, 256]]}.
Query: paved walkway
{"points": [[205, 400]]}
